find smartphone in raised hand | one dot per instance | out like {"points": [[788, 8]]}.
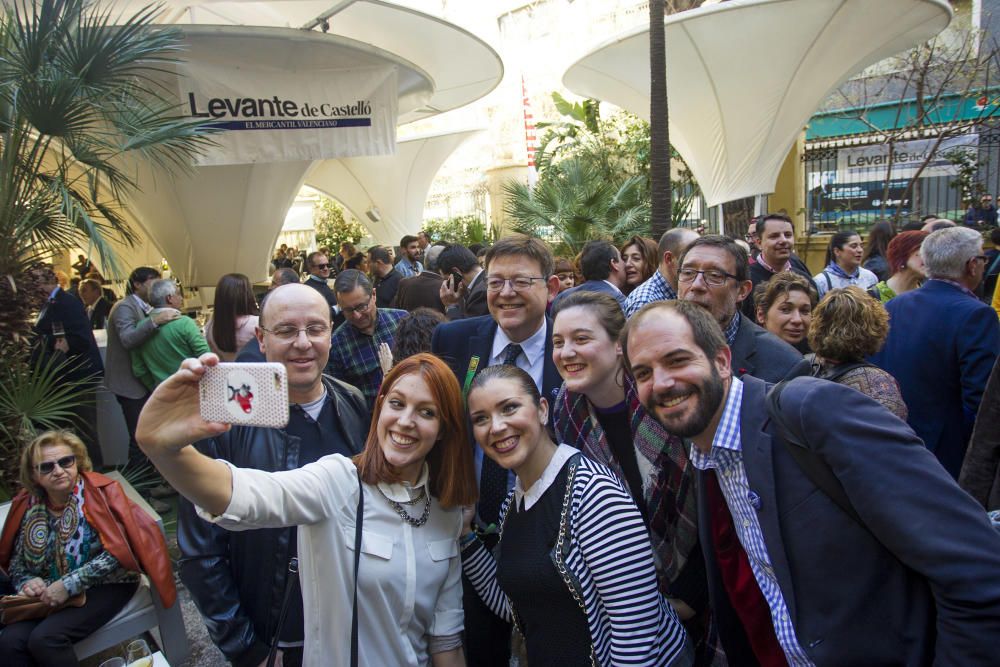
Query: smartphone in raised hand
{"points": [[456, 281], [252, 394]]}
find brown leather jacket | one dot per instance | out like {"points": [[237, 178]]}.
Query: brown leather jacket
{"points": [[126, 531]]}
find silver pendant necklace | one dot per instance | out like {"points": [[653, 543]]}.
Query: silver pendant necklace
{"points": [[403, 514]]}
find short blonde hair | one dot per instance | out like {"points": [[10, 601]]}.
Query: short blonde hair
{"points": [[848, 325], [33, 451]]}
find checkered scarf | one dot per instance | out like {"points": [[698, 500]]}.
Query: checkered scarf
{"points": [[668, 486]]}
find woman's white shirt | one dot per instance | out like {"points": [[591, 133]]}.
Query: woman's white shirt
{"points": [[409, 584]]}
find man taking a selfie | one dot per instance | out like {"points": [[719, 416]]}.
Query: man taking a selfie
{"points": [[238, 579]]}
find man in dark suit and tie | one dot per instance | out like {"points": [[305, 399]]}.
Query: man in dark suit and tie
{"points": [[603, 271], [519, 285], [714, 274], [831, 536]]}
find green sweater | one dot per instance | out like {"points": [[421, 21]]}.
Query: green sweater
{"points": [[160, 356]]}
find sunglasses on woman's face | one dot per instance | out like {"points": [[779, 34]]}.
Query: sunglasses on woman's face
{"points": [[66, 462]]}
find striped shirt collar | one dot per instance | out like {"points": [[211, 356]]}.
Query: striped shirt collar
{"points": [[727, 434], [763, 262]]}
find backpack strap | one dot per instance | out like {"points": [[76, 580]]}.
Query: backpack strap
{"points": [[829, 284], [834, 374], [814, 467]]}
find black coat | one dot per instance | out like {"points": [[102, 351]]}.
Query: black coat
{"points": [[83, 352]]}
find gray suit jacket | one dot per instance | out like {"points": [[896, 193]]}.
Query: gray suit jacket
{"points": [[128, 328]]}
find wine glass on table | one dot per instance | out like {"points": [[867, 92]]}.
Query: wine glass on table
{"points": [[138, 655]]}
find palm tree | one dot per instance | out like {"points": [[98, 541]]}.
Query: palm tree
{"points": [[659, 130], [82, 94], [82, 97], [573, 203]]}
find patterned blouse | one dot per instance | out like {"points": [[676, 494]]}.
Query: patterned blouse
{"points": [[63, 546], [877, 384]]}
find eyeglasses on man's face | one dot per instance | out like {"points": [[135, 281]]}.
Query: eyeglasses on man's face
{"points": [[518, 284], [713, 277], [48, 467], [360, 308], [321, 267], [288, 333]]}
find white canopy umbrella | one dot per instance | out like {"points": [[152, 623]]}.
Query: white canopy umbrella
{"points": [[221, 219], [743, 77], [392, 187]]}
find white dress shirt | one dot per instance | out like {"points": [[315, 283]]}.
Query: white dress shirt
{"points": [[409, 586], [532, 357]]}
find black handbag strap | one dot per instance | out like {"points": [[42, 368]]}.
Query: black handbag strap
{"points": [[817, 470], [358, 520], [290, 583], [293, 576]]}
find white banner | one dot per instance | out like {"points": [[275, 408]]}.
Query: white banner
{"points": [[865, 163], [280, 116]]}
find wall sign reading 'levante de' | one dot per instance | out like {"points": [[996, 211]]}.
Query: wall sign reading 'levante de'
{"points": [[278, 116]]}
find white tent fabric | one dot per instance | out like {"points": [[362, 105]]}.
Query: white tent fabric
{"points": [[396, 185], [743, 77], [221, 219]]}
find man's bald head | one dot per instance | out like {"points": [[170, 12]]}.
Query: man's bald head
{"points": [[293, 297], [299, 310]]}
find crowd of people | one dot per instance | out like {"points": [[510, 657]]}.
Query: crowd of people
{"points": [[684, 451]]}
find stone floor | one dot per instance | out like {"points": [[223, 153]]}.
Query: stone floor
{"points": [[203, 651]]}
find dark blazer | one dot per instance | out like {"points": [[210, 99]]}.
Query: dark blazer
{"points": [[99, 315], [941, 347], [760, 353], [593, 286], [323, 288], [918, 583], [474, 304], [457, 342], [66, 308], [420, 291], [385, 289]]}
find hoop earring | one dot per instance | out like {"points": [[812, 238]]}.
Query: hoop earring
{"points": [[620, 377]]}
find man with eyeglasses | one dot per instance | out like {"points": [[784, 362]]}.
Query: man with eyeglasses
{"points": [[318, 266], [519, 285], [354, 355], [714, 274], [238, 579], [942, 344]]}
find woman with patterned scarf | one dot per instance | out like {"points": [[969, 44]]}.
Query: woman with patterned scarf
{"points": [[597, 411], [75, 542]]}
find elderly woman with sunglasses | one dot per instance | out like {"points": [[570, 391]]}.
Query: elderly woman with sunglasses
{"points": [[70, 533]]}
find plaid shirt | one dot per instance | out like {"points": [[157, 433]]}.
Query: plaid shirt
{"points": [[726, 457], [656, 288], [354, 355]]}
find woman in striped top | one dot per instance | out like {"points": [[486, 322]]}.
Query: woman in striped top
{"points": [[574, 569]]}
